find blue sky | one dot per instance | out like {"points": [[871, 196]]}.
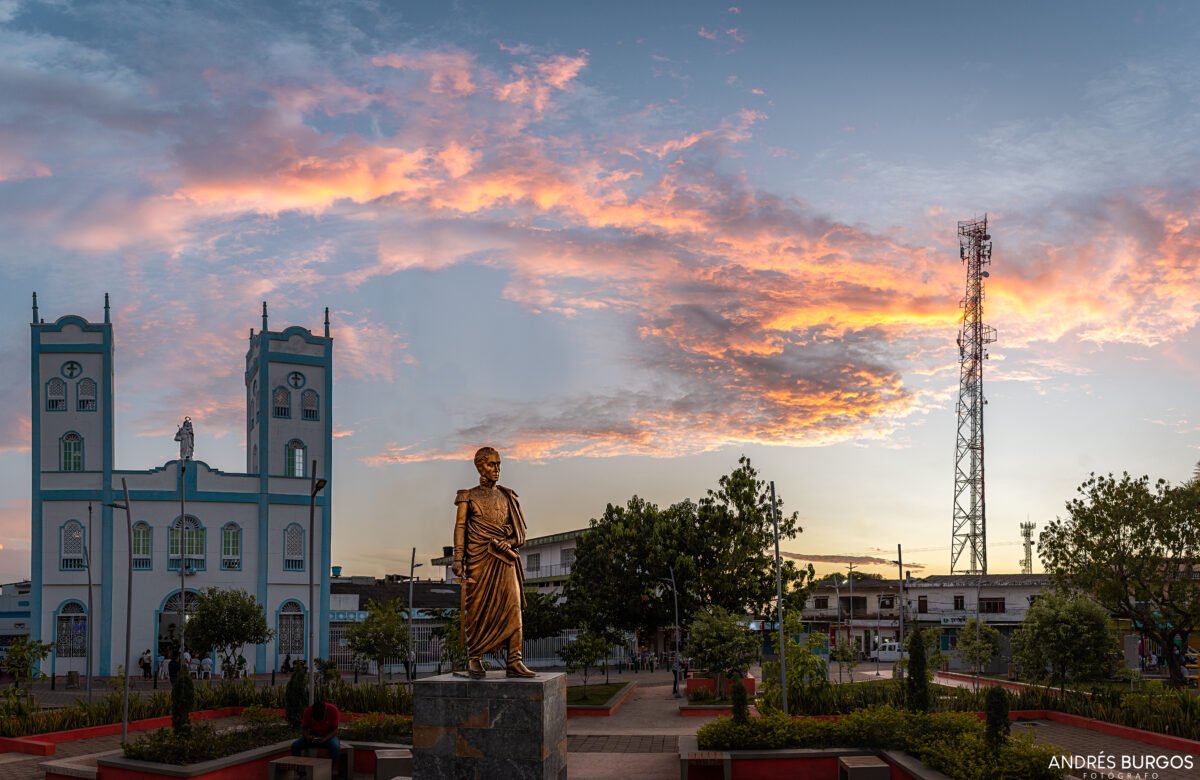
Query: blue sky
{"points": [[622, 242]]}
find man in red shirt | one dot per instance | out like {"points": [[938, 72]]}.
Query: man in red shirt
{"points": [[318, 729]]}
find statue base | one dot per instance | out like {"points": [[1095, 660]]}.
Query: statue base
{"points": [[508, 728]]}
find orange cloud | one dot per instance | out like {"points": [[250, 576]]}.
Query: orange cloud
{"points": [[451, 71]]}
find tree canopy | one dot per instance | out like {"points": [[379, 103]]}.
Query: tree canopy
{"points": [[1065, 639], [1133, 547], [978, 644], [719, 643], [381, 636], [225, 622], [721, 549]]}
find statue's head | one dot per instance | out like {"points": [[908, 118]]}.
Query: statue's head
{"points": [[487, 463]]}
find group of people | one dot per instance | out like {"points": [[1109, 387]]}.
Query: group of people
{"points": [[169, 665]]}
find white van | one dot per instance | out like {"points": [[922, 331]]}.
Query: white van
{"points": [[888, 652]]}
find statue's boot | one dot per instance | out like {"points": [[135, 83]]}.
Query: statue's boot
{"points": [[515, 665], [475, 669]]}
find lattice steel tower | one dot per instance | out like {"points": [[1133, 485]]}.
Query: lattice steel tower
{"points": [[969, 534], [1027, 540]]}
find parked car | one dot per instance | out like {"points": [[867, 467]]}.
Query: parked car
{"points": [[887, 652]]}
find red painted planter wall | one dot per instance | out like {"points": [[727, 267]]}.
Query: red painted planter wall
{"points": [[251, 770], [710, 684], [814, 768]]}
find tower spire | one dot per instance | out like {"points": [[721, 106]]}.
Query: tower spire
{"points": [[106, 319], [35, 316], [264, 327], [326, 322]]}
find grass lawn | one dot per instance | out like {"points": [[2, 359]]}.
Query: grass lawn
{"points": [[597, 693]]}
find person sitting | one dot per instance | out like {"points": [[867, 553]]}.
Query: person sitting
{"points": [[206, 667], [287, 664], [318, 729]]}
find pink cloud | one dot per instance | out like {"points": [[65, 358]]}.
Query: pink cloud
{"points": [[450, 70], [707, 34]]}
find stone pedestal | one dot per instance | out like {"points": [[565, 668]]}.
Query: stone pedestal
{"points": [[498, 727]]}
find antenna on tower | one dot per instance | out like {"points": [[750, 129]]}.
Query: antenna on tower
{"points": [[969, 526], [1027, 540]]}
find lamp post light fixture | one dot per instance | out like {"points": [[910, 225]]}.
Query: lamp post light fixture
{"points": [[316, 486], [412, 651], [128, 606]]}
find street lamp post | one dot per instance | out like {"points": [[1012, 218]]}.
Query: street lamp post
{"points": [[186, 437], [779, 604], [128, 606], [316, 486], [412, 652], [675, 667], [837, 632]]}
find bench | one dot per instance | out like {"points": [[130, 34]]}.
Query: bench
{"points": [[863, 768], [298, 768], [345, 758], [393, 763]]}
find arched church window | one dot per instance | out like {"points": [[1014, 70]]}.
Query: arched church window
{"points": [[71, 546], [194, 545], [293, 548], [281, 402], [310, 405], [72, 451], [294, 457], [70, 631], [85, 395], [141, 547], [291, 629], [56, 395]]}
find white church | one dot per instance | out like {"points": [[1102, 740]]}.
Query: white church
{"points": [[240, 530]]}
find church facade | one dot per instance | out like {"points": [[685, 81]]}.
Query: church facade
{"points": [[247, 530]]}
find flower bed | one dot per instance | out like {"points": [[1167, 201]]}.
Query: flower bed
{"points": [[613, 704], [709, 684], [952, 743]]}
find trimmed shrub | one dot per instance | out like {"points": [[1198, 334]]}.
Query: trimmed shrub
{"points": [[396, 729], [917, 691], [741, 707], [183, 701], [997, 718]]}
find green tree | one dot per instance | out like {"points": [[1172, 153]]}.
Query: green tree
{"points": [[183, 701], [1065, 640], [730, 544], [917, 681], [978, 644], [720, 643], [996, 708], [846, 654], [225, 622], [295, 696], [584, 654], [382, 635], [614, 582], [450, 640], [807, 669], [1134, 548], [543, 616], [22, 661]]}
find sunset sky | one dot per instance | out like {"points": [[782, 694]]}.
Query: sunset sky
{"points": [[622, 242]]}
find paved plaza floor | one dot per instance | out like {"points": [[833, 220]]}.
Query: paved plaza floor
{"points": [[641, 740]]}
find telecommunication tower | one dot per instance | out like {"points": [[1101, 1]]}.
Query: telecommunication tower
{"points": [[1027, 540], [968, 545]]}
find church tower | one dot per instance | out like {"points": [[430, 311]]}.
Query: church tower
{"points": [[71, 414]]}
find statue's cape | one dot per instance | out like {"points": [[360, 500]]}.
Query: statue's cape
{"points": [[519, 527]]}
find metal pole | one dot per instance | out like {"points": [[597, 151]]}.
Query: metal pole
{"points": [[978, 593], [677, 664], [900, 564], [182, 558], [87, 559], [412, 655], [779, 604], [850, 630], [128, 612], [312, 607]]}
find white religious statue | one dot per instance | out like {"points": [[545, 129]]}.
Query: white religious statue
{"points": [[186, 438]]}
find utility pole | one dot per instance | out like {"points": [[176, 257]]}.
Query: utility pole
{"points": [[779, 603], [850, 630], [87, 560], [186, 437], [412, 651], [903, 603]]}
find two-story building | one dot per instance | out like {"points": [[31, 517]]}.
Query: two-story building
{"points": [[862, 615], [547, 561]]}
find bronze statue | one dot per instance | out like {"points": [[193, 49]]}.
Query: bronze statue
{"points": [[488, 530]]}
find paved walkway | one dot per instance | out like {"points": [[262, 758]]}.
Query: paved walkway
{"points": [[1123, 753]]}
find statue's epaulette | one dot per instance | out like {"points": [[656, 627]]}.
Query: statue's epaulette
{"points": [[462, 496]]}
